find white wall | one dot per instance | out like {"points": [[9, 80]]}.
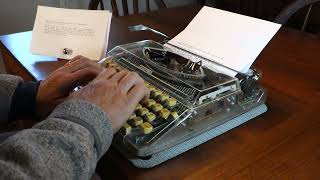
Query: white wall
{"points": [[18, 15]]}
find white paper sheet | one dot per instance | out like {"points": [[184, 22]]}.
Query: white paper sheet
{"points": [[81, 32], [226, 38]]}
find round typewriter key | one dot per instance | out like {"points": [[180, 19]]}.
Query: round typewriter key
{"points": [[142, 111], [174, 114], [137, 121], [126, 129], [148, 85], [132, 116], [164, 113], [171, 102], [146, 128], [150, 117], [111, 64], [151, 88], [156, 107], [138, 106], [162, 97], [150, 102], [155, 93]]}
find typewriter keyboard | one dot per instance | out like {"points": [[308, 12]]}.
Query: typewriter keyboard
{"points": [[159, 109], [151, 116]]}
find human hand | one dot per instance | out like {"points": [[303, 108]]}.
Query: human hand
{"points": [[117, 94], [57, 87]]}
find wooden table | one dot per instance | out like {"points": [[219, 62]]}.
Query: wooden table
{"points": [[283, 143]]}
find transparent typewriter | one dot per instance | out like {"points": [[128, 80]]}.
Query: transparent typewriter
{"points": [[186, 99]]}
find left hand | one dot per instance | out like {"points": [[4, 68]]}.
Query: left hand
{"points": [[56, 88]]}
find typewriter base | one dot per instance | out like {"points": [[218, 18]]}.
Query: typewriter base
{"points": [[172, 152]]}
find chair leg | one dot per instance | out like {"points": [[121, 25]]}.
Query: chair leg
{"points": [[93, 5], [148, 5], [101, 5], [306, 19]]}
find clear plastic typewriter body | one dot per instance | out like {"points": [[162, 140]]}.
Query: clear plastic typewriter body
{"points": [[185, 100]]}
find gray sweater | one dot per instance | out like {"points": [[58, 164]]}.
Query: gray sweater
{"points": [[66, 145]]}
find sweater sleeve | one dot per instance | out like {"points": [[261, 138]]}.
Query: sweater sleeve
{"points": [[67, 145], [8, 85], [18, 98]]}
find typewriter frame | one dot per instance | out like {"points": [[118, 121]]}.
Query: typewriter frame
{"points": [[218, 104]]}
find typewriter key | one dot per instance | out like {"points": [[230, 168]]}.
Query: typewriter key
{"points": [[171, 102], [138, 106], [142, 111], [150, 117], [164, 113], [150, 102], [132, 116], [174, 114], [162, 97], [147, 85], [156, 107], [126, 129], [155, 93], [137, 121], [151, 88], [146, 128]]}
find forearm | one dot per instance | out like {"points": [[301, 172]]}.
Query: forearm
{"points": [[67, 145]]}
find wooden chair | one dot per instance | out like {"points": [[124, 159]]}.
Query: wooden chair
{"points": [[95, 3], [287, 12]]}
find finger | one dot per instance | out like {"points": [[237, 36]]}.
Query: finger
{"points": [[127, 82], [76, 58], [107, 73], [73, 59], [74, 65], [136, 94], [147, 95], [80, 64], [118, 76], [79, 78], [84, 76]]}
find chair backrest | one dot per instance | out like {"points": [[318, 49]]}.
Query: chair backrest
{"points": [[295, 6], [94, 5]]}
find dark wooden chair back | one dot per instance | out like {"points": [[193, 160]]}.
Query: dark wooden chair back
{"points": [[95, 3], [292, 8]]}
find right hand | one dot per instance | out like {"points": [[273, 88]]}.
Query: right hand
{"points": [[116, 93]]}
